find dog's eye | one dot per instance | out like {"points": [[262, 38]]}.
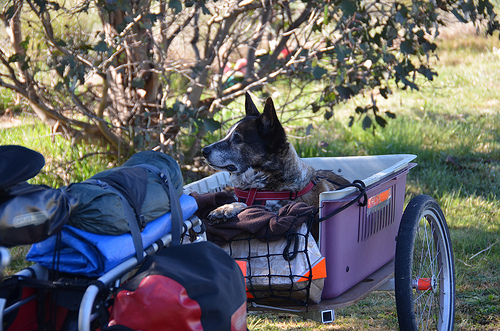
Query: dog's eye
{"points": [[236, 139]]}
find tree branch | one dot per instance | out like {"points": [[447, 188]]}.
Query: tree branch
{"points": [[282, 43]]}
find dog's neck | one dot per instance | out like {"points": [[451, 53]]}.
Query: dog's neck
{"points": [[288, 173]]}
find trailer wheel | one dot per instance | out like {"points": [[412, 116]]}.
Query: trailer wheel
{"points": [[424, 268]]}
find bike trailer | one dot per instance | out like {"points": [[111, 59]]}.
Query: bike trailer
{"points": [[368, 241]]}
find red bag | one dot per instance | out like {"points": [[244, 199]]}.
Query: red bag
{"points": [[188, 287]]}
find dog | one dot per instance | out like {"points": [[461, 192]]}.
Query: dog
{"points": [[262, 162]]}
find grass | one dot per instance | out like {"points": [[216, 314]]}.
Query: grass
{"points": [[66, 161], [452, 124]]}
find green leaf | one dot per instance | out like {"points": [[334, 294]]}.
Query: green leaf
{"points": [[345, 92], [427, 72], [351, 121], [204, 9], [409, 84], [315, 107], [101, 46], [325, 16], [328, 115], [349, 7], [360, 110], [458, 16], [407, 47], [60, 69], [399, 18], [59, 86], [42, 4], [211, 125], [384, 92], [137, 82], [61, 43], [14, 58], [176, 5], [390, 114], [9, 13], [318, 72], [168, 112], [151, 17], [380, 121], [55, 5], [342, 52], [329, 97], [429, 47], [25, 43], [25, 65], [367, 122]]}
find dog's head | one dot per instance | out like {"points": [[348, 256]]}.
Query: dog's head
{"points": [[254, 142]]}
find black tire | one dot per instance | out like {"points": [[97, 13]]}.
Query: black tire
{"points": [[424, 268]]}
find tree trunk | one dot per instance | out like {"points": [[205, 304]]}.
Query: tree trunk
{"points": [[132, 76]]}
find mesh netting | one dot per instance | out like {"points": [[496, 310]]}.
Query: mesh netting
{"points": [[280, 267]]}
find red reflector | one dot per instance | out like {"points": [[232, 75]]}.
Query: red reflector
{"points": [[379, 198], [424, 284]]}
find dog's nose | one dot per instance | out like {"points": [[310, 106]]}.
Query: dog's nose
{"points": [[205, 151]]}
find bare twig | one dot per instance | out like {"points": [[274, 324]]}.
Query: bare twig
{"points": [[484, 250]]}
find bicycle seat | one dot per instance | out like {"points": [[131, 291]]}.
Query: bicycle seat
{"points": [[18, 164]]}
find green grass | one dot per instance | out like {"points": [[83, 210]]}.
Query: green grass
{"points": [[66, 161], [452, 124]]}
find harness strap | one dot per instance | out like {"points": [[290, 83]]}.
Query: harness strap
{"points": [[175, 206], [252, 195]]}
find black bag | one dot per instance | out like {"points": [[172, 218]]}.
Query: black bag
{"points": [[28, 213], [188, 287]]}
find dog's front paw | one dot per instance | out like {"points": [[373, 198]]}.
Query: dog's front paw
{"points": [[225, 212]]}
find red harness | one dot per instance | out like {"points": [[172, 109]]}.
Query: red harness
{"points": [[255, 195]]}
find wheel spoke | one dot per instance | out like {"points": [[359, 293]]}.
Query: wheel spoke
{"points": [[427, 308], [429, 278]]}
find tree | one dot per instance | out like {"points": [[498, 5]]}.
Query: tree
{"points": [[132, 73]]}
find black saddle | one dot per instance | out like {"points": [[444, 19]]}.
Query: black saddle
{"points": [[18, 164]]}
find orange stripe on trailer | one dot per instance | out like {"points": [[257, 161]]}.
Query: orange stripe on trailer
{"points": [[243, 267], [318, 271]]}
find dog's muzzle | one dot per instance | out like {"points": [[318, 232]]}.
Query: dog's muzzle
{"points": [[207, 151]]}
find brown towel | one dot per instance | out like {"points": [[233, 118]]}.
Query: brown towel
{"points": [[253, 221]]}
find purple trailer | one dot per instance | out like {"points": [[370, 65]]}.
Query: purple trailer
{"points": [[376, 244]]}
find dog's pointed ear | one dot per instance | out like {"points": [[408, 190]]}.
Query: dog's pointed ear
{"points": [[250, 108], [271, 128], [269, 116]]}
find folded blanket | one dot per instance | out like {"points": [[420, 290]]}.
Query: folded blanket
{"points": [[92, 255], [253, 221]]}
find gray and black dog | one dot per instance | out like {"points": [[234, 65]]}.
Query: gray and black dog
{"points": [[260, 159]]}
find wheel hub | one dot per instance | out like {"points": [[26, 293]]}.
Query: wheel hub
{"points": [[425, 284]]}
